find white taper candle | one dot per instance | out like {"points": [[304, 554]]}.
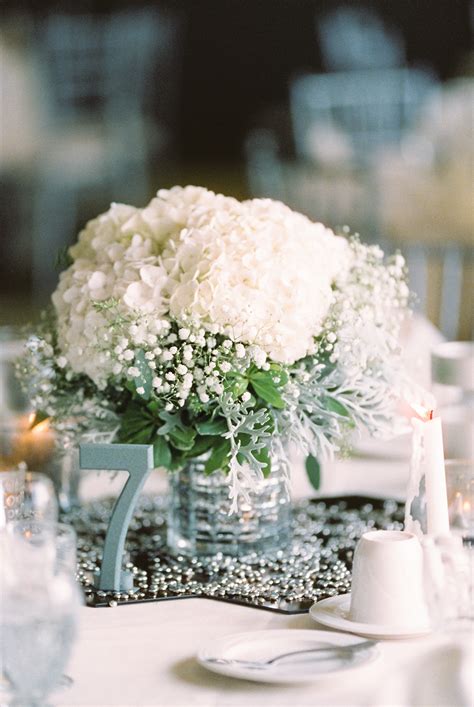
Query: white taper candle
{"points": [[432, 460]]}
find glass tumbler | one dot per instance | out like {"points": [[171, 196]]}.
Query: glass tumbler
{"points": [[460, 488], [38, 624], [46, 545]]}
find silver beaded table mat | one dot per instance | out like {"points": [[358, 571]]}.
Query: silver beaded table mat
{"points": [[317, 564]]}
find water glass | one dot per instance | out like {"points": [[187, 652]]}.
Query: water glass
{"points": [[39, 498], [45, 546], [38, 623]]}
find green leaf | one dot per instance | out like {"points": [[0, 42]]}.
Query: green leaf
{"points": [[136, 425], [219, 457], [171, 421], [263, 455], [178, 460], [212, 427], [161, 452], [144, 380], [334, 405], [182, 437], [313, 469], [201, 445], [264, 386], [244, 439], [238, 385], [153, 407], [278, 374], [142, 436]]}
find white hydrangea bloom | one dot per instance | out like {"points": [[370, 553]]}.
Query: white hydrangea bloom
{"points": [[255, 272], [110, 261]]}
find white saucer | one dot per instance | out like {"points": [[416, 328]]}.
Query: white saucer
{"points": [[264, 645], [334, 612]]}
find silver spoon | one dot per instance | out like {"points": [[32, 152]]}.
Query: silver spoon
{"points": [[322, 653]]}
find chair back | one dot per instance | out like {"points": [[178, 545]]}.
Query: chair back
{"points": [[334, 196], [372, 108], [102, 66], [354, 38], [441, 276]]}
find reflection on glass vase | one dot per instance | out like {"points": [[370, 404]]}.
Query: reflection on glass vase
{"points": [[63, 469], [199, 522]]}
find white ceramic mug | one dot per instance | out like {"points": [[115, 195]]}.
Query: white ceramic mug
{"points": [[387, 580]]}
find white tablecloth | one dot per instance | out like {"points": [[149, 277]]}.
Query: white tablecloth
{"points": [[144, 654]]}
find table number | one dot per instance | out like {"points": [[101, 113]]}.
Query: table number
{"points": [[137, 460]]}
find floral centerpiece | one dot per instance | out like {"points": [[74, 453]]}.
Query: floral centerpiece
{"points": [[222, 330]]}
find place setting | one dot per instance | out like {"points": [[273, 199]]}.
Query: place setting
{"points": [[288, 656]]}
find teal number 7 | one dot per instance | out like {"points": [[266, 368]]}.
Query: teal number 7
{"points": [[137, 460]]}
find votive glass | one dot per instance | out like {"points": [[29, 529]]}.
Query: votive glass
{"points": [[12, 486], [460, 489], [39, 498]]}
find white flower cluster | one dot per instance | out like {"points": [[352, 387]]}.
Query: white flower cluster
{"points": [[193, 363], [57, 394], [363, 328], [204, 325], [254, 272]]}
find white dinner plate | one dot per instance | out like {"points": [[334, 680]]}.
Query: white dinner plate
{"points": [[265, 645], [334, 612]]}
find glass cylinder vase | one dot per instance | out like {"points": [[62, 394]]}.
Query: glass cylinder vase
{"points": [[200, 521]]}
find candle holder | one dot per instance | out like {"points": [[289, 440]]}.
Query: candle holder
{"points": [[20, 443], [36, 449], [460, 488]]}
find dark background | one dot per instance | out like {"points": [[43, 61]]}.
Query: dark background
{"points": [[232, 64], [238, 56]]}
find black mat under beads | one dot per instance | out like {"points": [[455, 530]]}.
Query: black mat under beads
{"points": [[318, 564]]}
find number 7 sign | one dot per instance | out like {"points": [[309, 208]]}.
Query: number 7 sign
{"points": [[137, 460]]}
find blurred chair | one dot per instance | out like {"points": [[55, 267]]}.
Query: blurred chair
{"points": [[440, 274], [98, 75], [361, 110], [441, 277], [354, 38], [337, 195]]}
